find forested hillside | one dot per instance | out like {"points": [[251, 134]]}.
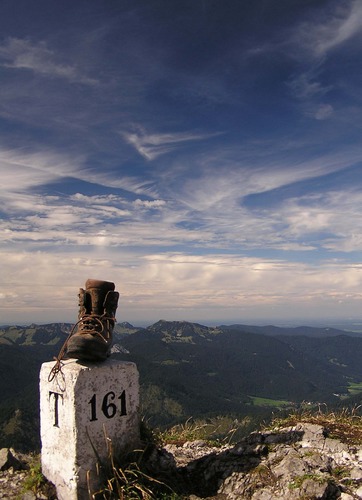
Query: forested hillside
{"points": [[187, 369]]}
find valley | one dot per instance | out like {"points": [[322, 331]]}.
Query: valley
{"points": [[191, 370]]}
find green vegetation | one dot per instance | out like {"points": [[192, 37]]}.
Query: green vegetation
{"points": [[131, 483], [35, 482], [35, 478], [216, 431], [299, 480], [275, 403], [129, 478], [20, 428], [132, 480], [200, 372], [340, 472], [354, 388], [345, 425], [170, 362]]}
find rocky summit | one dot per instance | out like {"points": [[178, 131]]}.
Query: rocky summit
{"points": [[297, 462], [20, 480]]}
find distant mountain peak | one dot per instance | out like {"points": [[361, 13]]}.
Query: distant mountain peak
{"points": [[125, 324], [181, 331]]}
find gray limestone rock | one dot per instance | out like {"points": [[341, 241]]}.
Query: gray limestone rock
{"points": [[8, 458], [299, 462]]}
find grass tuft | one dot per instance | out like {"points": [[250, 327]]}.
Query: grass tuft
{"points": [[35, 482], [127, 477], [216, 431], [34, 479], [299, 480], [345, 425]]}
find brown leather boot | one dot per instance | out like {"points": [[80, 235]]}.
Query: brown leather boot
{"points": [[92, 339]]}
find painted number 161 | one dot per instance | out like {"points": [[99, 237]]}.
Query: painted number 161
{"points": [[111, 405]]}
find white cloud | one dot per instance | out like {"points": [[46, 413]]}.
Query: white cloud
{"points": [[324, 112], [205, 211], [330, 220], [37, 57], [336, 25], [153, 204], [97, 199], [312, 46], [175, 286], [306, 86], [150, 146], [223, 181], [22, 170], [207, 214], [338, 30]]}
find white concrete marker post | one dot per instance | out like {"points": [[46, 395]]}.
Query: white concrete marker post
{"points": [[82, 409]]}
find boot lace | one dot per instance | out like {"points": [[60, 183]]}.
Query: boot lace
{"points": [[95, 325], [92, 324]]}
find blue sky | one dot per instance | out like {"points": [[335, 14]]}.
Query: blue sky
{"points": [[205, 155]]}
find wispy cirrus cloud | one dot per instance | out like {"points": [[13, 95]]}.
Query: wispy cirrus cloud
{"points": [[312, 45], [203, 211], [343, 26], [18, 53], [153, 145], [312, 95], [335, 25], [21, 169], [337, 215], [231, 178]]}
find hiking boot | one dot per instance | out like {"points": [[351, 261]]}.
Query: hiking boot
{"points": [[92, 339]]}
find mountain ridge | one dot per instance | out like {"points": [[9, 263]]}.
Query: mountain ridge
{"points": [[188, 369]]}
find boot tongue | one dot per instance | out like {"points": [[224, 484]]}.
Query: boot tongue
{"points": [[97, 291], [104, 285]]}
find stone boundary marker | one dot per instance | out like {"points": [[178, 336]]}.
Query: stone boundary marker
{"points": [[82, 409]]}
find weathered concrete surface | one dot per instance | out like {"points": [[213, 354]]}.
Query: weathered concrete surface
{"points": [[83, 409]]}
